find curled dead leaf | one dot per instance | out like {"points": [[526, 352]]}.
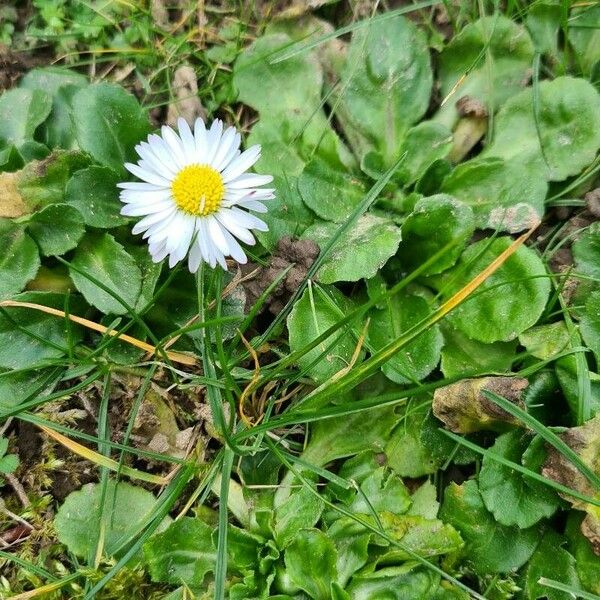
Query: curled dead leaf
{"points": [[11, 201], [585, 441], [186, 103], [463, 407]]}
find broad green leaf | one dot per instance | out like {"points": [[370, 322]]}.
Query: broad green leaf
{"points": [[49, 337], [290, 89], [93, 192], [18, 386], [360, 252], [584, 36], [560, 138], [101, 257], [406, 453], [406, 582], [586, 561], [464, 70], [433, 223], [544, 22], [287, 215], [57, 228], [424, 144], [300, 511], [504, 196], [21, 113], [351, 542], [348, 435], [586, 252], [331, 194], [182, 554], [109, 122], [463, 356], [311, 561], [381, 491], [508, 495], [121, 515], [489, 546], [43, 182], [546, 341], [424, 501], [385, 86], [401, 312], [316, 311], [243, 547], [19, 260], [61, 84], [553, 561], [508, 302], [426, 537], [589, 324]]}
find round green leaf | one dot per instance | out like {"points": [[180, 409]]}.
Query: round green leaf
{"points": [[584, 35], [360, 252], [416, 360], [43, 182], [31, 338], [507, 494], [464, 71], [489, 546], [19, 260], [435, 222], [508, 302], [331, 194], [386, 85], [57, 228], [552, 561], [565, 138], [504, 196], [182, 554], [61, 84], [109, 123], [78, 520], [290, 89], [93, 192], [586, 251], [102, 258], [21, 113], [314, 313]]}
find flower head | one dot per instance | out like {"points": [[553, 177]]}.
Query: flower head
{"points": [[195, 194]]}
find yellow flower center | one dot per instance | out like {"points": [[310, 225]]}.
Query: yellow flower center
{"points": [[198, 190]]}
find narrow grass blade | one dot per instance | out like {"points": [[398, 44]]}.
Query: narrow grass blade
{"points": [[563, 587]]}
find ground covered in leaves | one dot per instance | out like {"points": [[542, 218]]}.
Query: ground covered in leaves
{"points": [[397, 397]]}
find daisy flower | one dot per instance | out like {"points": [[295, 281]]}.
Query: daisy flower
{"points": [[195, 194]]}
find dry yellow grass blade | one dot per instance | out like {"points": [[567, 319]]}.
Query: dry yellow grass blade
{"points": [[101, 460], [45, 589], [177, 357]]}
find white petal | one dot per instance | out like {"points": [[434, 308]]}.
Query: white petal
{"points": [[150, 196], [201, 140], [248, 220], [253, 205], [135, 209], [187, 139], [229, 222], [162, 165], [174, 143], [216, 234], [213, 138], [148, 176], [141, 186], [235, 250], [249, 180], [195, 257], [152, 219], [241, 164], [160, 231], [185, 239], [226, 147], [157, 253]]}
